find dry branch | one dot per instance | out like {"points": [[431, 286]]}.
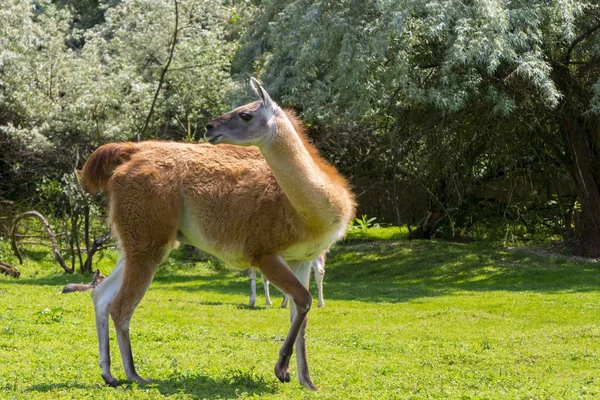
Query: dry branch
{"points": [[51, 236], [9, 270], [163, 73], [97, 244]]}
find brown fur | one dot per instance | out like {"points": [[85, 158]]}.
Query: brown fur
{"points": [[269, 208], [331, 172], [82, 287], [230, 190], [99, 166]]}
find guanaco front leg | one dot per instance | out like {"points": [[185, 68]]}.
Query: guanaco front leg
{"points": [[252, 275], [277, 271], [318, 266], [267, 292], [302, 272]]}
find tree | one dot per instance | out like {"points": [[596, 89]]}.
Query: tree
{"points": [[74, 75], [452, 93]]}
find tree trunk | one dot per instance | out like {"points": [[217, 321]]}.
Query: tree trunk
{"points": [[580, 131], [425, 230], [51, 236], [96, 245], [584, 160]]}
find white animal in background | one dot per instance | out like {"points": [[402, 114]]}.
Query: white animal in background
{"points": [[318, 266]]}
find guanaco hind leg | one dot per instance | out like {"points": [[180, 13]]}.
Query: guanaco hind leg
{"points": [[146, 238], [103, 296], [137, 276]]}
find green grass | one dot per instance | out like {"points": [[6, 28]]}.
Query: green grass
{"points": [[408, 320], [378, 233]]}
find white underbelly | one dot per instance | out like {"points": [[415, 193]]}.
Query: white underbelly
{"points": [[309, 251], [233, 255], [191, 233]]}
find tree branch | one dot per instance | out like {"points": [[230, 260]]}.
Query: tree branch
{"points": [[9, 270], [163, 73], [577, 41], [40, 217], [97, 244]]}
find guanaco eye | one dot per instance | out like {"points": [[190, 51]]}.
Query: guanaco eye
{"points": [[245, 116]]}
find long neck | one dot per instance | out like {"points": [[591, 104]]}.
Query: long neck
{"points": [[311, 192]]}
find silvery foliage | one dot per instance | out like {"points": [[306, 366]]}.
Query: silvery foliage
{"points": [[56, 93], [347, 60]]}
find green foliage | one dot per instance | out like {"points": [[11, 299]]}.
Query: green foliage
{"points": [[362, 223], [354, 56], [68, 86], [377, 233], [444, 96]]}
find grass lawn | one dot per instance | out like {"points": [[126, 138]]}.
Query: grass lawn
{"points": [[408, 320]]}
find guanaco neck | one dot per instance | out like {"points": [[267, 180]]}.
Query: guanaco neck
{"points": [[313, 195]]}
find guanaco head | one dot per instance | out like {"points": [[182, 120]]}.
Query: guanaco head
{"points": [[248, 125], [98, 278]]}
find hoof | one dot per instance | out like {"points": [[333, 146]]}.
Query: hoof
{"points": [[110, 381], [282, 371], [283, 376], [307, 383]]}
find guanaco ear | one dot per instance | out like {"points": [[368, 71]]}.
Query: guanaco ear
{"points": [[262, 93]]}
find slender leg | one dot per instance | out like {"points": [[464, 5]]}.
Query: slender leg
{"points": [[319, 271], [267, 293], [137, 277], [277, 271], [284, 302], [302, 272], [252, 274], [144, 215], [103, 296]]}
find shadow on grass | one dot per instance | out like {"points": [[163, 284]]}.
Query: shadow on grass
{"points": [[193, 385], [51, 387], [54, 280], [400, 271], [202, 386]]}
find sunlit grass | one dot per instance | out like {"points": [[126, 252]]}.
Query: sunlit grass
{"points": [[417, 320]]}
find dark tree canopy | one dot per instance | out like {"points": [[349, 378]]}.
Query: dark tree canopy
{"points": [[453, 95]]}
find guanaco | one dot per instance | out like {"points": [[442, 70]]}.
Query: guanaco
{"points": [[83, 287], [257, 195]]}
